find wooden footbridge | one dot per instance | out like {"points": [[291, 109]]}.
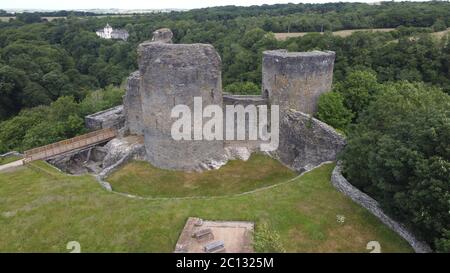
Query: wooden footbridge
{"points": [[69, 145]]}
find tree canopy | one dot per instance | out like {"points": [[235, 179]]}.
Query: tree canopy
{"points": [[399, 153]]}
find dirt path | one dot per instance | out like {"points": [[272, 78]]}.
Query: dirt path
{"points": [[13, 164]]}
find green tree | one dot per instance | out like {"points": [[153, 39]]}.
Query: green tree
{"points": [[12, 83], [358, 89], [35, 95], [332, 111], [439, 25], [55, 83], [399, 153], [28, 17]]}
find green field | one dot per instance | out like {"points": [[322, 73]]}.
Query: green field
{"points": [[41, 210], [142, 179]]}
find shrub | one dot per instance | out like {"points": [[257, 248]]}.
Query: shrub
{"points": [[267, 240]]}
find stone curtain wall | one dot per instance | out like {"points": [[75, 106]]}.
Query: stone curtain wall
{"points": [[295, 80], [132, 105], [109, 118], [244, 100], [305, 142], [340, 183], [173, 74]]}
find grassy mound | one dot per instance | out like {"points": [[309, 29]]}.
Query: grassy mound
{"points": [[142, 179], [41, 210]]}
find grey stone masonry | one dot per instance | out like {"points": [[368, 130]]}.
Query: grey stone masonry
{"points": [[305, 142], [132, 105], [163, 35], [173, 74], [295, 80], [109, 118]]}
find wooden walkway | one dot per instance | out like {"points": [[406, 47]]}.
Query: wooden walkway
{"points": [[68, 145]]}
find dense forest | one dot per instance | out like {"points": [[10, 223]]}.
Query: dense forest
{"points": [[390, 94]]}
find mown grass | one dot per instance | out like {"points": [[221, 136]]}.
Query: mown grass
{"points": [[142, 179], [40, 211], [9, 159]]}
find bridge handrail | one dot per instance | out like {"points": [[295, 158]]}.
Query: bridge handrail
{"points": [[105, 133]]}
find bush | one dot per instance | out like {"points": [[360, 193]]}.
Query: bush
{"points": [[243, 88], [267, 240]]}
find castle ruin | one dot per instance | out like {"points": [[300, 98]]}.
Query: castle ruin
{"points": [[172, 74]]}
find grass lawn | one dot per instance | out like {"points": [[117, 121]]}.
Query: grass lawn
{"points": [[41, 211], [9, 159], [142, 179]]}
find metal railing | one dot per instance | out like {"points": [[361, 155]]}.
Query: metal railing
{"points": [[70, 144]]}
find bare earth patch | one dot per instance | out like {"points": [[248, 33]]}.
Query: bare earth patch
{"points": [[236, 236]]}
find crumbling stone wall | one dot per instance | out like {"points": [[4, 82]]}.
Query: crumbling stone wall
{"points": [[173, 74], [163, 35], [305, 142], [295, 80], [80, 161], [132, 105], [110, 118], [132, 99]]}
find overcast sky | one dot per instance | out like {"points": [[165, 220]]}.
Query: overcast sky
{"points": [[143, 4]]}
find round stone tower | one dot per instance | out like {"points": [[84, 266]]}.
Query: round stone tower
{"points": [[295, 80], [173, 74]]}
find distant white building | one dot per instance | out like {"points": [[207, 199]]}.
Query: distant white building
{"points": [[109, 33]]}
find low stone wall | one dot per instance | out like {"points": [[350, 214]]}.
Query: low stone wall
{"points": [[12, 153], [110, 118], [230, 99], [87, 160], [341, 184], [306, 142]]}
